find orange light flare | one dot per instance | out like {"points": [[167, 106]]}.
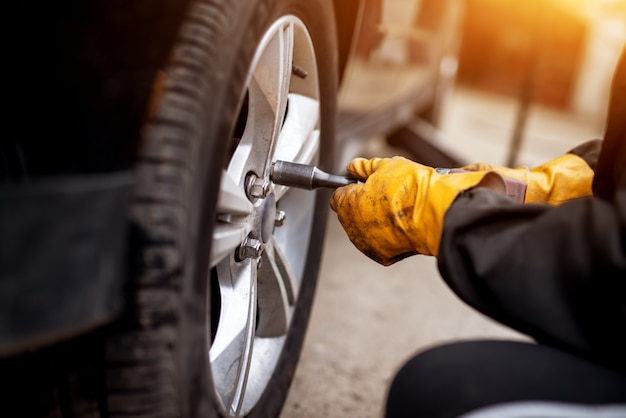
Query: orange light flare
{"points": [[595, 10], [592, 12]]}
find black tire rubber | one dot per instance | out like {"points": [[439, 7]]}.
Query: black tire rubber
{"points": [[157, 359]]}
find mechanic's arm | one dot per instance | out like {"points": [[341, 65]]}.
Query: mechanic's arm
{"points": [[399, 210], [555, 273], [565, 178]]}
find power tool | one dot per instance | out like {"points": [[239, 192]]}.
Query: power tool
{"points": [[309, 177], [303, 176]]}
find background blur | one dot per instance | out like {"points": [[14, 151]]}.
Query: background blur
{"points": [[532, 82]]}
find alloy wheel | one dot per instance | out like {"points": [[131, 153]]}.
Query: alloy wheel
{"points": [[261, 237]]}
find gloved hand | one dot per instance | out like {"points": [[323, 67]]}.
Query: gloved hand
{"points": [[399, 209], [565, 178]]}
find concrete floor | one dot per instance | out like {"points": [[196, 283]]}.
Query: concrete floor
{"points": [[367, 319]]}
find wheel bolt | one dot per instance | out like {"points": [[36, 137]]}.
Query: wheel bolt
{"points": [[250, 248], [258, 187], [299, 71], [280, 218]]}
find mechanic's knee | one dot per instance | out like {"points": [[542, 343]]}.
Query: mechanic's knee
{"points": [[449, 380], [454, 379], [421, 387]]}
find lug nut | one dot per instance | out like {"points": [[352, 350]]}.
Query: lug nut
{"points": [[250, 248], [258, 187], [280, 218]]}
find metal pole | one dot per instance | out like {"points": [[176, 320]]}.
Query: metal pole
{"points": [[528, 85]]}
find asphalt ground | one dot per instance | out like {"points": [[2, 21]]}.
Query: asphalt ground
{"points": [[368, 320]]}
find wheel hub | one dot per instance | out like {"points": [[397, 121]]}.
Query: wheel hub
{"points": [[263, 218]]}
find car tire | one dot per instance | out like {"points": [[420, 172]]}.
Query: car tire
{"points": [[197, 189]]}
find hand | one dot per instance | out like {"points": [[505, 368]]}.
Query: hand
{"points": [[399, 209], [558, 181]]}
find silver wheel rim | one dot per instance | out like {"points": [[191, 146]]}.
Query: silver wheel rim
{"points": [[261, 237]]}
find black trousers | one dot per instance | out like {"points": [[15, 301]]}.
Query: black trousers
{"points": [[504, 379]]}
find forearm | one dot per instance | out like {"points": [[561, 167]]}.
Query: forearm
{"points": [[557, 274], [560, 180]]}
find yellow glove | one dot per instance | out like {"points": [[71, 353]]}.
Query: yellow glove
{"points": [[565, 178], [399, 210]]}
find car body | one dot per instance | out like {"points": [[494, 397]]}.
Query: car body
{"points": [[139, 227], [403, 64]]}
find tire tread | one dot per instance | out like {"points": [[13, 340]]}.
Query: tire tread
{"points": [[142, 370]]}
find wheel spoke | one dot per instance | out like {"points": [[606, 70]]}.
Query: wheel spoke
{"points": [[226, 238], [232, 199], [232, 225], [275, 293], [269, 91], [300, 137], [273, 71], [287, 275], [284, 60], [231, 351], [286, 64]]}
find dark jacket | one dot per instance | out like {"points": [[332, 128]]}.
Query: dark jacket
{"points": [[557, 274]]}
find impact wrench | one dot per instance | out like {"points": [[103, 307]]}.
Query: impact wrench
{"points": [[309, 177]]}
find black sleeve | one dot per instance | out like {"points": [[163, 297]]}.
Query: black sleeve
{"points": [[589, 151], [612, 159], [557, 274]]}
